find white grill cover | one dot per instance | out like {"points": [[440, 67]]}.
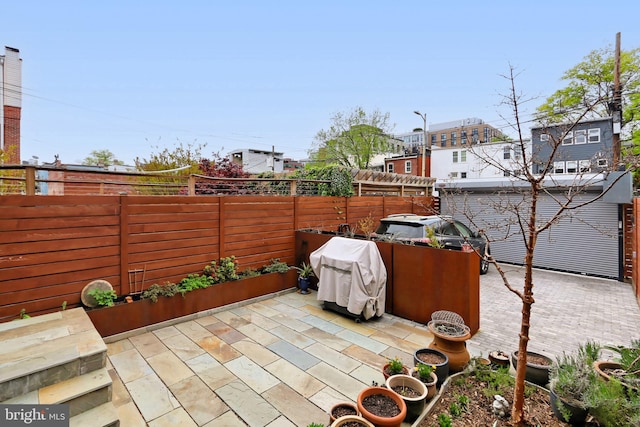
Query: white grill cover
{"points": [[351, 273]]}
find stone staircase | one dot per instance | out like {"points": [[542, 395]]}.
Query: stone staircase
{"points": [[57, 358]]}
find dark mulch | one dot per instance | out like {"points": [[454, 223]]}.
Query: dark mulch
{"points": [[341, 411], [381, 405]]}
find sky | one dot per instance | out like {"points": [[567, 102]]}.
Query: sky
{"points": [[136, 77]]}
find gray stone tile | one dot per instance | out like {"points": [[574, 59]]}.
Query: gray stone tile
{"points": [[293, 354], [148, 344], [296, 338], [303, 383], [202, 404], [183, 347], [338, 380], [295, 407], [321, 324], [130, 365], [252, 374], [362, 341], [152, 397]]}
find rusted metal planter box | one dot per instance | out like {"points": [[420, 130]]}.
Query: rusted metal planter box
{"points": [[420, 279], [137, 314]]}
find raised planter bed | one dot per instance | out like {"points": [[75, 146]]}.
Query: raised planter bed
{"points": [[137, 314]]}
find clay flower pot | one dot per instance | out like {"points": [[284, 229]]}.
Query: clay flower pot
{"points": [[405, 371], [453, 345], [346, 406], [430, 383], [379, 421]]}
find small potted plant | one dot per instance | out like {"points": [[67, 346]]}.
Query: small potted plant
{"points": [[305, 272], [426, 374], [394, 366], [571, 376]]}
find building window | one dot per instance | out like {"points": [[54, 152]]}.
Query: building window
{"points": [[453, 174], [463, 137], [407, 166], [455, 157], [463, 175], [603, 163], [390, 167], [558, 167], [544, 137], [463, 156], [594, 136], [572, 166], [580, 137], [433, 140], [506, 153], [517, 152], [486, 134], [454, 138], [474, 136], [506, 172], [585, 166], [443, 140], [568, 139]]}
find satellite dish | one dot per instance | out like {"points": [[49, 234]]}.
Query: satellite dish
{"points": [[87, 299]]}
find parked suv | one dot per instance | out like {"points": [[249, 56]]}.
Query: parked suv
{"points": [[451, 233]]}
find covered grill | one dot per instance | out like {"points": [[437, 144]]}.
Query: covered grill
{"points": [[351, 276]]}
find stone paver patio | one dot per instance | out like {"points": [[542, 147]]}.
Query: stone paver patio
{"points": [[283, 361]]}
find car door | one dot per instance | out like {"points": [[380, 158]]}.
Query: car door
{"points": [[449, 235]]}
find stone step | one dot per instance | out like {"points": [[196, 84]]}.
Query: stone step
{"points": [[104, 415], [48, 349], [81, 393]]}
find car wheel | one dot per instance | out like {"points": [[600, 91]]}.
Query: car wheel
{"points": [[484, 265]]}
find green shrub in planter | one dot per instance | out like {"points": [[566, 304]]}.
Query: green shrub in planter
{"points": [[104, 297]]}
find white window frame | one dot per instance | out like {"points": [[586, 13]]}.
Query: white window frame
{"points": [[407, 166], [506, 152], [594, 136], [580, 137], [544, 137], [603, 163], [558, 167], [568, 139], [390, 167], [584, 166], [463, 156], [572, 166], [455, 157], [453, 174]]}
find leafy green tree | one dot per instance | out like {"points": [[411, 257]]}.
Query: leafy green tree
{"points": [[102, 158], [591, 82], [354, 138], [184, 159]]}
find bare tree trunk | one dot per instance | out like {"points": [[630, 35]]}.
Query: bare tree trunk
{"points": [[517, 412]]}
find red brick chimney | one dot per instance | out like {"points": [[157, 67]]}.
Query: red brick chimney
{"points": [[11, 99]]}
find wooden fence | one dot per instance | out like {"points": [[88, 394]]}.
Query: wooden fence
{"points": [[52, 246]]}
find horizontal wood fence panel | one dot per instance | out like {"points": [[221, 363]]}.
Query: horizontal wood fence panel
{"points": [[52, 246]]}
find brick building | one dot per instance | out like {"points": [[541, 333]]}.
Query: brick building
{"points": [[11, 98]]}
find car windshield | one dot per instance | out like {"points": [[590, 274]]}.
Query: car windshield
{"points": [[402, 231]]}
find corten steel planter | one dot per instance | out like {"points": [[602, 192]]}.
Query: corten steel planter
{"points": [[138, 314], [420, 279]]}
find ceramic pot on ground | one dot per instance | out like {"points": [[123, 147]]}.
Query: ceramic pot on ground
{"points": [[442, 368], [344, 408], [455, 347], [602, 366], [499, 358], [415, 405], [535, 373], [351, 419], [379, 421], [577, 414], [303, 285]]}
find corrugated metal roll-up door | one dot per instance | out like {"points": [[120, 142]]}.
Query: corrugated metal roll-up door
{"points": [[584, 241]]}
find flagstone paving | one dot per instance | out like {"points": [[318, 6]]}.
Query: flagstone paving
{"points": [[283, 361]]}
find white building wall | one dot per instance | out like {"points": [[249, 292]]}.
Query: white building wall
{"points": [[258, 161]]}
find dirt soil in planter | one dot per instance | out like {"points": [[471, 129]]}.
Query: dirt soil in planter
{"points": [[430, 358], [405, 391], [478, 411], [341, 411], [381, 405]]}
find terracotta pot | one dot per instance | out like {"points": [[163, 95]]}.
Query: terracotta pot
{"points": [[601, 365], [537, 374], [405, 371], [577, 415], [350, 419], [375, 419], [415, 405], [442, 369], [455, 347], [348, 405]]}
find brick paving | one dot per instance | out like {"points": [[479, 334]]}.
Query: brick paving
{"points": [[283, 361]]}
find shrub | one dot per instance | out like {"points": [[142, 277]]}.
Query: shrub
{"points": [[166, 290], [103, 297], [276, 266]]}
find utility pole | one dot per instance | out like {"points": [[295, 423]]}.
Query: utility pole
{"points": [[616, 110], [424, 141]]}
